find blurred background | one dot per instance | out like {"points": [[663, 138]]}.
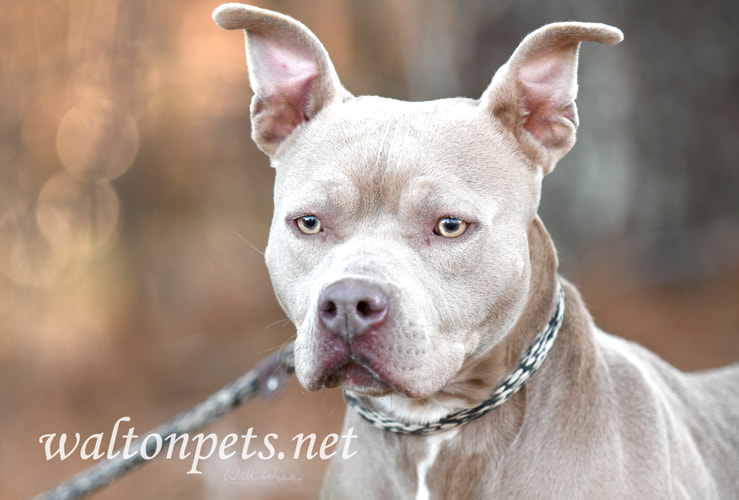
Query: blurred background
{"points": [[133, 205]]}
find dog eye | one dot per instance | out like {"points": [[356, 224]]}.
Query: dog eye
{"points": [[309, 224], [450, 227]]}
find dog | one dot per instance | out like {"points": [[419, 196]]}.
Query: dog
{"points": [[407, 250]]}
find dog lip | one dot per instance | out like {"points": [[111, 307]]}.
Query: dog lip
{"points": [[351, 372], [337, 356], [352, 366], [354, 373], [375, 383]]}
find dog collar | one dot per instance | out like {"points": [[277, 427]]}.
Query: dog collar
{"points": [[527, 365]]}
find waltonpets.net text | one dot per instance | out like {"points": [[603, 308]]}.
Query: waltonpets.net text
{"points": [[204, 446]]}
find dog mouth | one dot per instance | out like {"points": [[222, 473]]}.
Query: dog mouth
{"points": [[358, 376]]}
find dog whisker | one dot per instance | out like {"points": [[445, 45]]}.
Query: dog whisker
{"points": [[281, 322], [249, 243]]}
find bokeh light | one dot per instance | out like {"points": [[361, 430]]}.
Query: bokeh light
{"points": [[26, 258], [78, 218], [97, 140]]}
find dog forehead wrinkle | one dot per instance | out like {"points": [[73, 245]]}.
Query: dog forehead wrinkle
{"points": [[406, 148], [376, 177]]}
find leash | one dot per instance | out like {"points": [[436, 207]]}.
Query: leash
{"points": [[527, 365], [265, 380]]}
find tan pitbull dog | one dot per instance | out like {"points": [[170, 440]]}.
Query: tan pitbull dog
{"points": [[407, 250]]}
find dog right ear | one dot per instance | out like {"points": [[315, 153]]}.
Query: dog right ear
{"points": [[289, 69]]}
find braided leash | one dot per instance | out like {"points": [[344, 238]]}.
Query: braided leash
{"points": [[527, 365]]}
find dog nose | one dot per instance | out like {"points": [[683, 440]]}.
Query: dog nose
{"points": [[351, 307]]}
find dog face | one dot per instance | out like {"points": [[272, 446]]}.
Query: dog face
{"points": [[425, 224], [398, 246]]}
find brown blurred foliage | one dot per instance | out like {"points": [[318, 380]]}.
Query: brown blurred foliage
{"points": [[133, 205]]}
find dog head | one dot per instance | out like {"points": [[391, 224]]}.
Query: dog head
{"points": [[399, 246]]}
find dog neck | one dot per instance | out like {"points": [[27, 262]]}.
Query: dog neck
{"points": [[472, 387]]}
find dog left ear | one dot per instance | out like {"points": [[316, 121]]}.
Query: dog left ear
{"points": [[533, 94], [289, 69]]}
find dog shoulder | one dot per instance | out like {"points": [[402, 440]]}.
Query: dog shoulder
{"points": [[692, 416]]}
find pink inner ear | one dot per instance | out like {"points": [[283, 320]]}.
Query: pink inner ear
{"points": [[549, 86], [284, 78]]}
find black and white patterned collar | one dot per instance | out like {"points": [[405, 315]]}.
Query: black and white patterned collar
{"points": [[527, 365]]}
